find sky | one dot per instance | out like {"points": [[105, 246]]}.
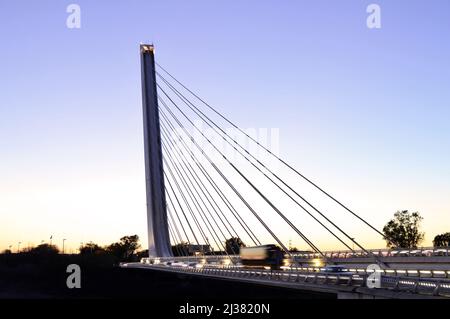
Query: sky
{"points": [[363, 112]]}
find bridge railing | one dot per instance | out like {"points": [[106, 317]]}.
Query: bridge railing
{"points": [[419, 252], [226, 261], [385, 272], [278, 275], [209, 259], [398, 252], [425, 286], [417, 285]]}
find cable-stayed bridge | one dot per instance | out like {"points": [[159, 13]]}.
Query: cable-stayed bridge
{"points": [[212, 191]]}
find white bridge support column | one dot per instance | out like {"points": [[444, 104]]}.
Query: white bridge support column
{"points": [[158, 234]]}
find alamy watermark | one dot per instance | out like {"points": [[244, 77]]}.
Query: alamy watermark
{"points": [[374, 279], [201, 142], [74, 279], [374, 19], [73, 20]]}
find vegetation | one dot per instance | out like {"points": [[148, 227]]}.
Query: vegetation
{"points": [[442, 240], [44, 250], [91, 249], [403, 231], [125, 249], [141, 254]]}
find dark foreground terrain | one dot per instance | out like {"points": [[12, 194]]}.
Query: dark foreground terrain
{"points": [[26, 277]]}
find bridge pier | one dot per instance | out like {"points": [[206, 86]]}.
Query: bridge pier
{"points": [[158, 233]]}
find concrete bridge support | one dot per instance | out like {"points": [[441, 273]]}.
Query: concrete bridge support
{"points": [[158, 234]]}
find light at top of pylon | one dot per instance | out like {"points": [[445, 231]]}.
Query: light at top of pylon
{"points": [[147, 47]]}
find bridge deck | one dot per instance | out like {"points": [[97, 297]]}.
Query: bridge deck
{"points": [[344, 286]]}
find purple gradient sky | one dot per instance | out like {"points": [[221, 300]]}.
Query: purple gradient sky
{"points": [[365, 112]]}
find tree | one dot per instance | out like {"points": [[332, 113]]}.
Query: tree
{"points": [[7, 252], [91, 249], [125, 249], [44, 249], [403, 231], [233, 245], [142, 254], [442, 240]]}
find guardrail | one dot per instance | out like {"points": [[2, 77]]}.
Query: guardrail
{"points": [[285, 276], [212, 259], [225, 261], [399, 252], [417, 285], [425, 286], [443, 274]]}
